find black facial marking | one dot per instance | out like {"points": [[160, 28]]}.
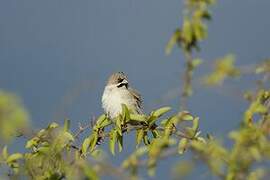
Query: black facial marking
{"points": [[119, 80], [123, 84]]}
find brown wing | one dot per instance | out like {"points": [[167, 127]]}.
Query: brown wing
{"points": [[137, 96]]}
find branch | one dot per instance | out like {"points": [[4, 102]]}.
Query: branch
{"points": [[81, 130], [187, 78]]}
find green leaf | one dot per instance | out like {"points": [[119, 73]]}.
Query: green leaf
{"points": [[118, 126], [44, 150], [14, 157], [152, 119], [93, 141], [170, 121], [145, 139], [66, 125], [68, 136], [199, 30], [105, 123], [85, 145], [182, 145], [120, 142], [139, 136], [187, 116], [223, 68], [101, 119], [42, 132], [53, 125], [196, 62], [125, 113], [159, 112], [112, 142], [138, 117], [32, 142], [175, 37], [13, 117], [195, 124], [5, 152], [190, 132], [155, 133], [255, 153], [187, 31], [261, 109], [118, 122]]}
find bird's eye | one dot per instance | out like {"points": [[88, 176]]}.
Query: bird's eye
{"points": [[120, 80]]}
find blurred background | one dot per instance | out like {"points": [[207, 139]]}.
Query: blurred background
{"points": [[57, 56]]}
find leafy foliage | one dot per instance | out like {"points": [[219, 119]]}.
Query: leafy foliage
{"points": [[223, 68], [193, 29], [13, 117], [52, 152], [187, 37]]}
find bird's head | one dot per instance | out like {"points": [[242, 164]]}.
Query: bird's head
{"points": [[118, 80]]}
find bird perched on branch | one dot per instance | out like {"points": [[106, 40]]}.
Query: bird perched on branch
{"points": [[117, 92]]}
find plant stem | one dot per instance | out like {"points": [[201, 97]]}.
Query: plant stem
{"points": [[187, 78]]}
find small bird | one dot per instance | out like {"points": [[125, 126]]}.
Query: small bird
{"points": [[118, 92]]}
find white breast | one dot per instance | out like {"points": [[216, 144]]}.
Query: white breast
{"points": [[114, 97]]}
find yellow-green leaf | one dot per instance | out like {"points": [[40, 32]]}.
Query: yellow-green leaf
{"points": [[32, 142], [5, 152], [68, 136], [195, 124], [85, 145], [187, 31], [139, 136], [93, 141], [66, 125], [145, 139], [125, 113], [53, 125], [159, 112], [101, 119], [14, 157], [105, 123], [44, 149], [155, 133], [112, 142], [120, 142], [138, 117], [182, 145], [187, 117], [196, 62], [173, 40]]}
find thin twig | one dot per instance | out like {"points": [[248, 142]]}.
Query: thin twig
{"points": [[81, 130], [187, 78], [176, 132]]}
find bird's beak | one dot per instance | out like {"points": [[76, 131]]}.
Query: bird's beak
{"points": [[123, 83]]}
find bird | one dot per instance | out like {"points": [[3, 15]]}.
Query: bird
{"points": [[117, 92]]}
